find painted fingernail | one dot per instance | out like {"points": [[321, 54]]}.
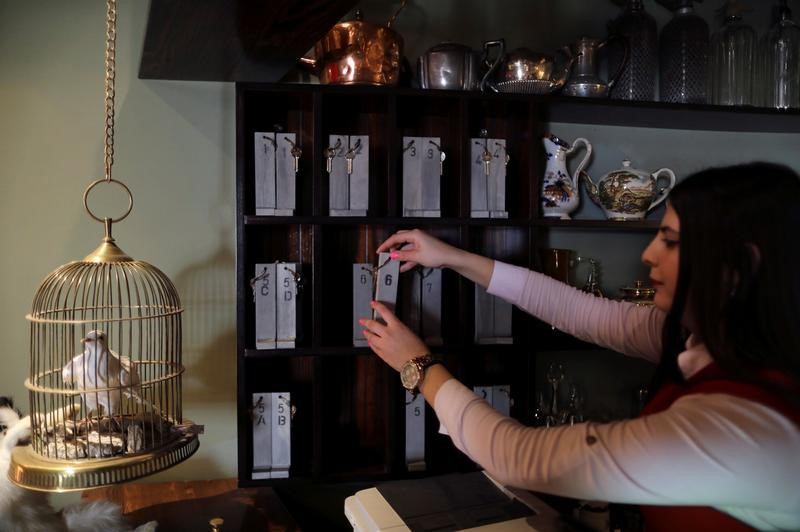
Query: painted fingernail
{"points": [[394, 255], [364, 332], [361, 322]]}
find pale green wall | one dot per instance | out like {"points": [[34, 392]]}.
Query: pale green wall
{"points": [[175, 147]]}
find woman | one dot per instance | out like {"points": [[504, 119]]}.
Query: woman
{"points": [[717, 446]]}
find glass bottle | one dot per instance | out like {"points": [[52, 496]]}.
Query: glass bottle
{"points": [[638, 78], [683, 57], [780, 84], [733, 55]]}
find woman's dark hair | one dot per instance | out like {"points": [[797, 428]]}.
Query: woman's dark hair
{"points": [[738, 280]]}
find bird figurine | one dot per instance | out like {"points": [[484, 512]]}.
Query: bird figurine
{"points": [[100, 368]]}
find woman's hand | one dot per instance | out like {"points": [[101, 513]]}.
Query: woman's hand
{"points": [[393, 341], [418, 247]]}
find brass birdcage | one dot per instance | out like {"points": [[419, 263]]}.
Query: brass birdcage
{"points": [[105, 361]]}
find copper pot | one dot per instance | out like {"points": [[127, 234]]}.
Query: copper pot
{"points": [[358, 52]]}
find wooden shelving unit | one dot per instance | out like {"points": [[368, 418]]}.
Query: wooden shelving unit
{"points": [[350, 407]]}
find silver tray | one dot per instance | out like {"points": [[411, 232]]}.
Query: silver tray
{"points": [[528, 86]]}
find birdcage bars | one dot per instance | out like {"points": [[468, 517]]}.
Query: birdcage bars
{"points": [[137, 308], [105, 369]]}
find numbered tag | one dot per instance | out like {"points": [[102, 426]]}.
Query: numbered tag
{"points": [[422, 169], [501, 399], [339, 180], [285, 176], [272, 449], [497, 179], [415, 432], [488, 165], [264, 290], [265, 173], [498, 396], [492, 318], [286, 303], [359, 176], [421, 303], [362, 295], [386, 285], [431, 176]]}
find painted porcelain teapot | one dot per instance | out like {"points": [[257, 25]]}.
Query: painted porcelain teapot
{"points": [[559, 191], [628, 193]]}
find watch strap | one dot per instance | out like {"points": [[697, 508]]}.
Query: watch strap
{"points": [[423, 362]]}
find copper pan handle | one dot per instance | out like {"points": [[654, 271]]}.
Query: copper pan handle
{"points": [[308, 64], [399, 9]]}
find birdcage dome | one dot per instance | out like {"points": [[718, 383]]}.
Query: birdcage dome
{"points": [[105, 375]]}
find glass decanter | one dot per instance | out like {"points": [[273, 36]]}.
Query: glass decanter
{"points": [[733, 54], [683, 57], [780, 59]]}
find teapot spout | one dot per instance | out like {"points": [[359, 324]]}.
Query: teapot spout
{"points": [[591, 187]]}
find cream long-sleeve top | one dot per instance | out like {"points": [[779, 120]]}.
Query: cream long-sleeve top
{"points": [[714, 449]]}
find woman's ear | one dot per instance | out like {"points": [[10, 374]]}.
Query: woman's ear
{"points": [[750, 265]]}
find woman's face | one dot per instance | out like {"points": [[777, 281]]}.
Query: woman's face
{"points": [[662, 258]]}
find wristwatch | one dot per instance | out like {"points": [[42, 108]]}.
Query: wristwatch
{"points": [[413, 372]]}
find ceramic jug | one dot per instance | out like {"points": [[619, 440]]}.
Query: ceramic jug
{"points": [[628, 193], [559, 191]]}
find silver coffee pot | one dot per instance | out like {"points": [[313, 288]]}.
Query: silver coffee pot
{"points": [[584, 80]]}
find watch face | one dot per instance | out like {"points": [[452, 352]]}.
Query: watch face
{"points": [[409, 375]]}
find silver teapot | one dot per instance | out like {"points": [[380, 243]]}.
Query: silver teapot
{"points": [[524, 71], [628, 193]]}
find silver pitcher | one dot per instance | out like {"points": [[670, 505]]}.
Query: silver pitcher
{"points": [[449, 66], [585, 80]]}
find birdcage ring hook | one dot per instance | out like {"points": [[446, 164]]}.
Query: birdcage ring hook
{"points": [[104, 180]]}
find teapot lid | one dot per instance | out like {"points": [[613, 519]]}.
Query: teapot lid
{"points": [[626, 163]]}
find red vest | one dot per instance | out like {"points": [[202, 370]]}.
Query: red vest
{"points": [[710, 379]]}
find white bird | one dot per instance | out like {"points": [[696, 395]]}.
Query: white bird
{"points": [[98, 367]]}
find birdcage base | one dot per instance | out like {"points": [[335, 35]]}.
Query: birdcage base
{"points": [[102, 437], [95, 461]]}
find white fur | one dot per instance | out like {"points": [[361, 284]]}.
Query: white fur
{"points": [[23, 510]]}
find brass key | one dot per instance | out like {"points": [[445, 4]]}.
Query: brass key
{"points": [[350, 155], [296, 152], [442, 157], [330, 153], [486, 157]]}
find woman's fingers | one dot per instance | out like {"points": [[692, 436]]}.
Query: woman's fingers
{"points": [[384, 312], [397, 240]]}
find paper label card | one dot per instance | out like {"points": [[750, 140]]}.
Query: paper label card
{"points": [[423, 161], [272, 442], [264, 290], [415, 432], [265, 173]]}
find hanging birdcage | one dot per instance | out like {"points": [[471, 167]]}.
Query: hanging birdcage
{"points": [[105, 361]]}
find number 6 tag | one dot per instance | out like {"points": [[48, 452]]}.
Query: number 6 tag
{"points": [[386, 287]]}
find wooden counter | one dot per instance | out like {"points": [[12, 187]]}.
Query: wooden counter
{"points": [[189, 506]]}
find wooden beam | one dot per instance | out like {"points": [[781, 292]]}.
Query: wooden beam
{"points": [[233, 40]]}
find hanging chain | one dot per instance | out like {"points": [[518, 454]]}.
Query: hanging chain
{"points": [[111, 48]]}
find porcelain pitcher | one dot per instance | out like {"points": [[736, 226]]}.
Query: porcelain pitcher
{"points": [[627, 193], [559, 191]]}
